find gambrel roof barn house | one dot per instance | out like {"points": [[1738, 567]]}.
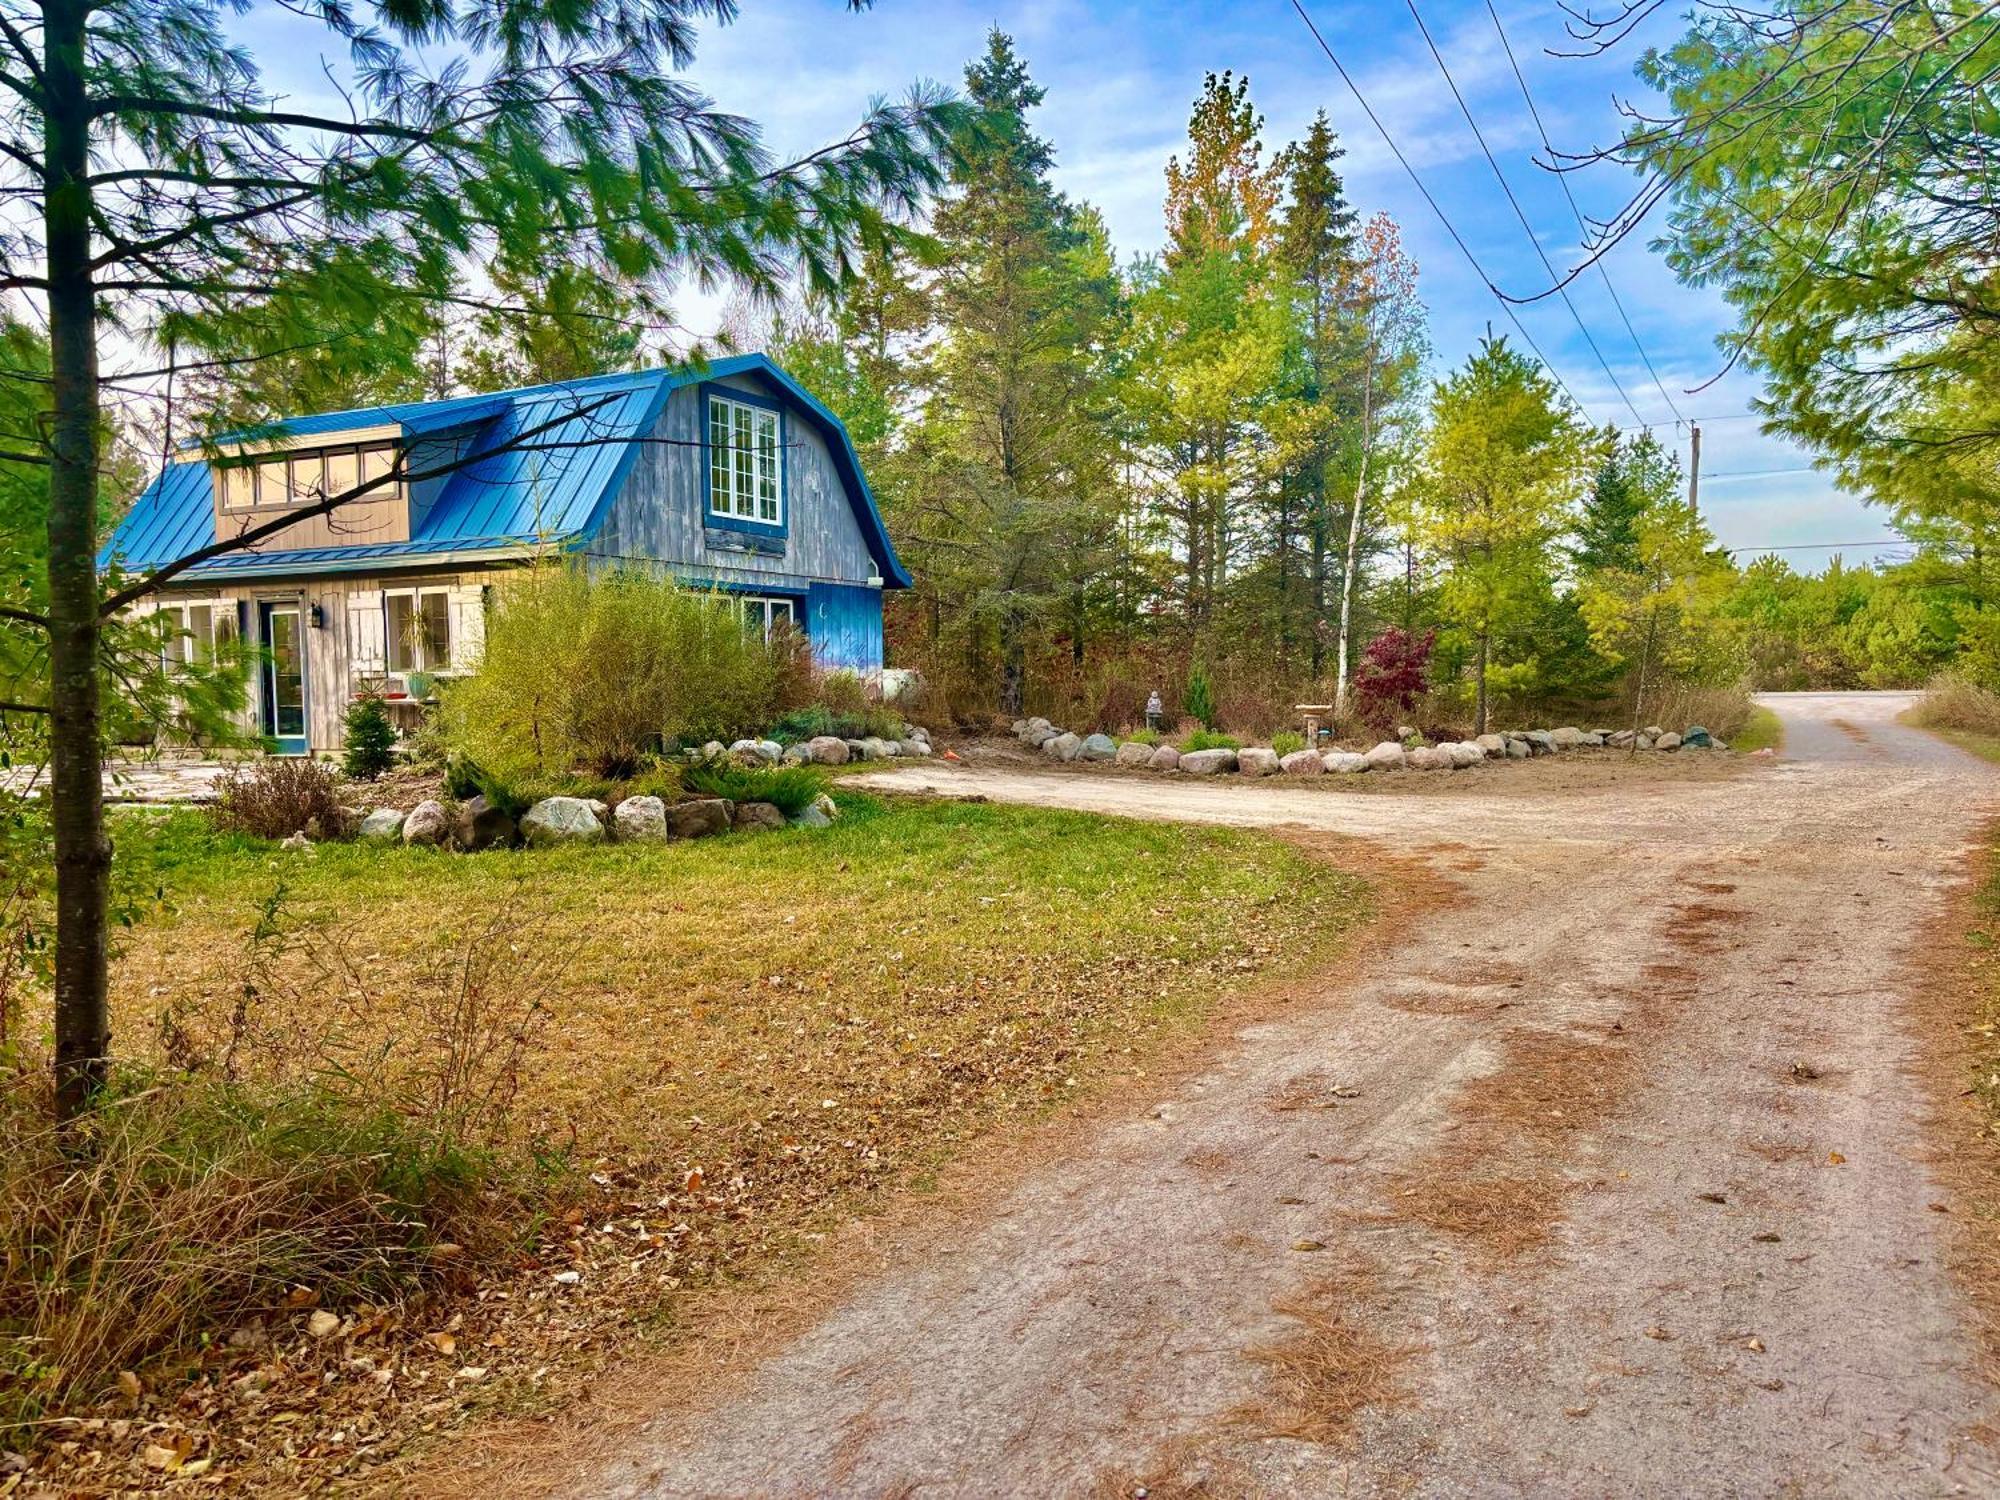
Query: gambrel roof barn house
{"points": [[730, 476]]}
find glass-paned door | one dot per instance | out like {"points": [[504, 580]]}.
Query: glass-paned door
{"points": [[284, 695]]}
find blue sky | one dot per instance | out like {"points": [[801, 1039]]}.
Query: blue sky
{"points": [[1121, 77]]}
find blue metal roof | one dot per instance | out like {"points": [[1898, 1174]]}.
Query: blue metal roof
{"points": [[550, 487]]}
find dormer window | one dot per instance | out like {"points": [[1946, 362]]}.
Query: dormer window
{"points": [[746, 475], [269, 481]]}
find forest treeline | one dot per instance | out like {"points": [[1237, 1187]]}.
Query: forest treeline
{"points": [[1235, 458]]}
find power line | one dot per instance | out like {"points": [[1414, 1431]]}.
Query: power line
{"points": [[1760, 473], [1885, 541], [1582, 227], [1456, 238], [1526, 228]]}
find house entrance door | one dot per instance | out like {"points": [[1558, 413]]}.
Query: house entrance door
{"points": [[284, 676]]}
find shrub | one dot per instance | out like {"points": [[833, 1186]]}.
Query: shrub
{"points": [[1142, 737], [791, 788], [593, 674], [1199, 703], [1285, 742], [1953, 702], [277, 796], [371, 739], [1393, 673], [869, 720], [1208, 739]]}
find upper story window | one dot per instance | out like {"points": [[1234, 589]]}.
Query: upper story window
{"points": [[746, 477], [304, 475]]}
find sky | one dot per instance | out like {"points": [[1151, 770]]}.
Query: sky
{"points": [[1121, 77]]}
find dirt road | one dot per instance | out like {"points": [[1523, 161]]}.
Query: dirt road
{"points": [[1613, 1167]]}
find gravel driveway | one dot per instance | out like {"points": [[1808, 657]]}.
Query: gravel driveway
{"points": [[1605, 1181]]}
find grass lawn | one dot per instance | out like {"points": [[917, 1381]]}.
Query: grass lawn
{"points": [[733, 1043], [1973, 741], [1763, 730]]}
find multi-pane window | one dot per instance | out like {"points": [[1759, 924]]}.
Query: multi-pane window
{"points": [[761, 614], [745, 464], [196, 632], [419, 630], [299, 478]]}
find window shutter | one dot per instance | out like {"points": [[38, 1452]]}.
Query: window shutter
{"points": [[468, 626], [367, 647]]}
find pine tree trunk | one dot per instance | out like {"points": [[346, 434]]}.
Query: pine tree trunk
{"points": [[82, 849], [1013, 665]]}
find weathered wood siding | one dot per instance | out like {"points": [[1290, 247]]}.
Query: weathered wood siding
{"points": [[658, 516], [348, 644]]}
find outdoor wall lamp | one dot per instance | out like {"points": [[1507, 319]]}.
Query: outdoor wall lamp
{"points": [[318, 617]]}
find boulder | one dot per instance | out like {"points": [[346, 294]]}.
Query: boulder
{"points": [[918, 732], [1652, 731], [879, 748], [297, 843], [1518, 748], [799, 755], [744, 750], [562, 820], [711, 751], [1491, 744], [428, 824], [812, 817], [1429, 758], [1208, 762], [1257, 761], [1344, 762], [1062, 747], [1645, 742], [755, 817], [1387, 756], [481, 825], [857, 749], [1097, 747], [825, 750], [382, 826], [1667, 741], [913, 749], [1566, 738], [828, 809], [1032, 732], [640, 820], [1132, 753], [1463, 754], [1405, 733], [1303, 763], [1620, 739], [1540, 742], [700, 818], [1594, 740], [1164, 758], [1697, 738]]}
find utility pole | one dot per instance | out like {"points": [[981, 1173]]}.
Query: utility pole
{"points": [[1694, 467]]}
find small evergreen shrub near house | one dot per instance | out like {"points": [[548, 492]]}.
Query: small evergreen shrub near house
{"points": [[867, 721], [371, 739], [1285, 742], [790, 788], [1199, 702]]}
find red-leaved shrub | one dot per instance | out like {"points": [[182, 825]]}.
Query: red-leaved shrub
{"points": [[1393, 673]]}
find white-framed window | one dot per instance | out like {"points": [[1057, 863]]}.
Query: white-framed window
{"points": [[275, 479], [418, 629], [197, 631], [761, 614], [746, 475]]}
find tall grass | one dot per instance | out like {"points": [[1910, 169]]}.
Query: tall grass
{"points": [[1952, 702], [270, 1165], [592, 673]]}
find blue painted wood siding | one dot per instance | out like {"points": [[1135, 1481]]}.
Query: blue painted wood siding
{"points": [[844, 624], [658, 516]]}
